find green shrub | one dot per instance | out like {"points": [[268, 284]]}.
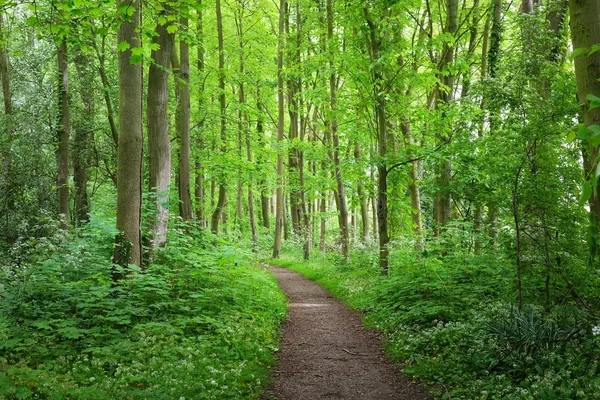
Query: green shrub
{"points": [[201, 322]]}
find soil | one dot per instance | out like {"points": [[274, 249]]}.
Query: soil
{"points": [[326, 353]]}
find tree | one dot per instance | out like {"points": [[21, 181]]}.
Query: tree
{"points": [[279, 208], [183, 127], [63, 132], [159, 145], [585, 34], [128, 248], [214, 225]]}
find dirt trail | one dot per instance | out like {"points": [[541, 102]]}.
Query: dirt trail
{"points": [[327, 354]]}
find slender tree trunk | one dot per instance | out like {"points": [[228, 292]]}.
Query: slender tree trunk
{"points": [[183, 129], [9, 125], [84, 135], [214, 226], [63, 133], [382, 171], [244, 128], [199, 179], [333, 128], [128, 248], [413, 188], [279, 212], [445, 96], [323, 231], [106, 86], [264, 192], [364, 212], [159, 145]]}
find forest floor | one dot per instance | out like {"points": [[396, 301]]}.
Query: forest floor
{"points": [[326, 353]]}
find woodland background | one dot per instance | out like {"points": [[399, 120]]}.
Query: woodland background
{"points": [[434, 163]]}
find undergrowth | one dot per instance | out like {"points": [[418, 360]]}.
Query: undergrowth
{"points": [[452, 323], [201, 322]]}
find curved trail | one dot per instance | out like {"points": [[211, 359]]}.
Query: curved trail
{"points": [[327, 354]]}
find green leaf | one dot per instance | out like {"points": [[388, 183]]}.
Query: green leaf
{"points": [[32, 21], [123, 46], [172, 28], [594, 49], [70, 332], [582, 132], [595, 129], [571, 136], [136, 59], [576, 52], [594, 101], [595, 140], [136, 51], [586, 193]]}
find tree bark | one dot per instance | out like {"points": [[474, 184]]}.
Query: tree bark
{"points": [[9, 125], [183, 129], [447, 79], [264, 193], [413, 188], [199, 179], [280, 210], [585, 32], [382, 171], [364, 212], [84, 135], [333, 128], [128, 248], [63, 132], [159, 145], [214, 225]]}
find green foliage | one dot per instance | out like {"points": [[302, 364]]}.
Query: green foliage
{"points": [[200, 322], [451, 321]]}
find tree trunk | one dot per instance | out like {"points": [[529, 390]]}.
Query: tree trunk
{"points": [[100, 54], [333, 128], [199, 180], [84, 136], [364, 212], [382, 207], [183, 129], [128, 248], [63, 132], [279, 211], [159, 145], [9, 125], [264, 193], [447, 79], [585, 32], [413, 188], [214, 225]]}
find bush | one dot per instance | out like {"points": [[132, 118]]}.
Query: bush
{"points": [[201, 322]]}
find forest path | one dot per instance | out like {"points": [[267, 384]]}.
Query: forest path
{"points": [[327, 354]]}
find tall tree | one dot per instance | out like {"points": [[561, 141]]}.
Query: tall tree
{"points": [[279, 208], [585, 34], [128, 249], [183, 127], [8, 126], [382, 139], [63, 133], [159, 145], [199, 179], [214, 225], [445, 94]]}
